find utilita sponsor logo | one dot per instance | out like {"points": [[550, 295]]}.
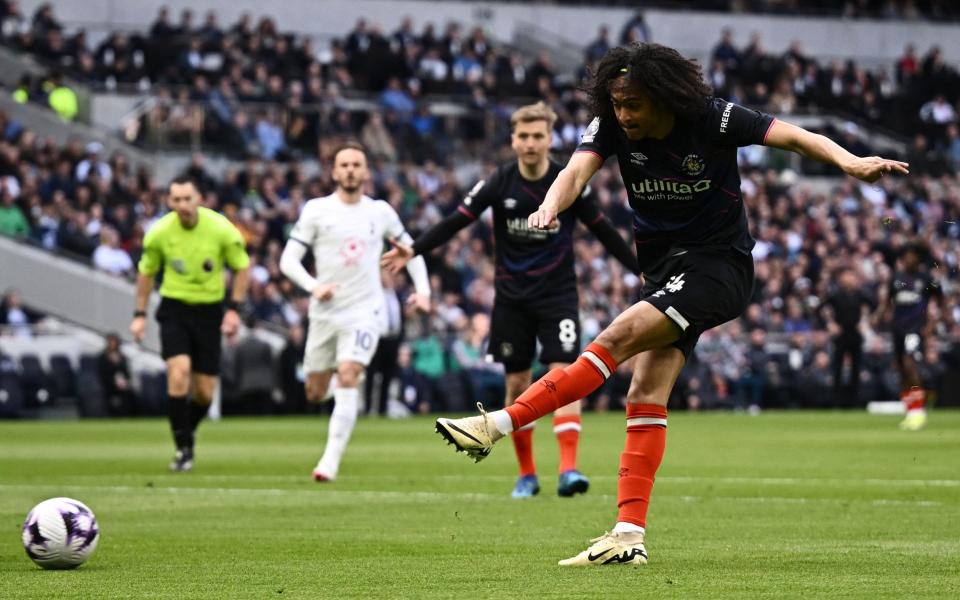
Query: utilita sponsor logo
{"points": [[725, 118], [654, 188], [519, 226]]}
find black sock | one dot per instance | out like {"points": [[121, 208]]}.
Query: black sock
{"points": [[179, 413], [197, 413]]}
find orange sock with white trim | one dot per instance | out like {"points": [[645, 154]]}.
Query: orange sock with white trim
{"points": [[523, 446], [914, 399], [567, 430], [560, 387], [642, 454]]}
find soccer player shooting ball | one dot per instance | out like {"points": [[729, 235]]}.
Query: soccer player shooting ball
{"points": [[676, 145]]}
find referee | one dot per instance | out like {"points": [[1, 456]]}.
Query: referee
{"points": [[192, 244]]}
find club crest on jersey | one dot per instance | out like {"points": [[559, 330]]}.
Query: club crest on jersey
{"points": [[510, 203], [352, 250], [692, 165], [638, 158], [590, 133]]}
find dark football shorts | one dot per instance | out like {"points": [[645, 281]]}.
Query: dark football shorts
{"points": [[699, 288], [516, 326], [907, 341], [191, 329]]}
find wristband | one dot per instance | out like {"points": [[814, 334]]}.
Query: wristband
{"points": [[139, 313], [231, 305]]}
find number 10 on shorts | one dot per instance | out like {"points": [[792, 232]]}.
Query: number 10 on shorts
{"points": [[363, 339]]}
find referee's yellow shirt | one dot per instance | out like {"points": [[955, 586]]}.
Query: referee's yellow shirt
{"points": [[193, 259]]}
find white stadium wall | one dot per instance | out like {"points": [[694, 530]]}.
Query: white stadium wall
{"points": [[692, 32]]}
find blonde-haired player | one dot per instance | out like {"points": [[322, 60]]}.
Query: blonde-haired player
{"points": [[536, 285]]}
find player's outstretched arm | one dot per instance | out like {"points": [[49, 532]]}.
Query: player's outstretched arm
{"points": [[400, 254], [821, 148], [565, 189]]}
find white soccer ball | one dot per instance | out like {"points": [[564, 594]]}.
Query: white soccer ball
{"points": [[60, 533]]}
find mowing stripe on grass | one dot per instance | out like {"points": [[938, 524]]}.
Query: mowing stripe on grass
{"points": [[419, 496]]}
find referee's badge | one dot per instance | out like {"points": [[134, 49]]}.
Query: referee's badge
{"points": [[178, 266]]}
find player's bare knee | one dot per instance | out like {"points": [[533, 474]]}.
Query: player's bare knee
{"points": [[348, 375]]}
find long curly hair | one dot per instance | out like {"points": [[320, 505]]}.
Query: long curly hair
{"points": [[674, 83]]}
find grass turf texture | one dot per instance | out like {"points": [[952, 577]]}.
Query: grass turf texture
{"points": [[784, 505]]}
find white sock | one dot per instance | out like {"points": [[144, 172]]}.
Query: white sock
{"points": [[345, 408], [502, 420], [624, 527]]}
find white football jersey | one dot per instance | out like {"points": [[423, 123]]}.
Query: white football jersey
{"points": [[347, 241]]}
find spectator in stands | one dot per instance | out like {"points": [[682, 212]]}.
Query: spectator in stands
{"points": [[598, 47], [953, 146], [93, 163], [725, 53], [484, 378], [938, 111], [635, 30], [161, 29], [15, 319], [270, 137], [109, 257], [61, 98], [844, 308], [12, 221], [114, 373]]}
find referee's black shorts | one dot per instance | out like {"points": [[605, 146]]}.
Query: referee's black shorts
{"points": [[191, 329], [699, 288]]}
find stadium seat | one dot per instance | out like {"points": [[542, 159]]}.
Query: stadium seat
{"points": [[90, 393], [35, 382], [89, 363], [62, 376], [11, 396], [153, 394]]}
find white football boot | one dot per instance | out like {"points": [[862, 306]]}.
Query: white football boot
{"points": [[611, 549], [474, 436]]}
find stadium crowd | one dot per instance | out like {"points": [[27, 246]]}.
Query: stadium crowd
{"points": [[253, 91], [73, 199], [76, 200]]}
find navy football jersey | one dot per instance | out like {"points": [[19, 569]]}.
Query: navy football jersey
{"points": [[530, 263], [910, 294], [685, 188]]}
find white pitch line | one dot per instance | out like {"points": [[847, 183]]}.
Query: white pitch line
{"points": [[418, 496], [815, 481], [805, 481]]}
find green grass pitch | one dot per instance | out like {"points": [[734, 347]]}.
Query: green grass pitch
{"points": [[784, 505]]}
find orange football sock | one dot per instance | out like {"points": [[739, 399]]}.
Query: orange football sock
{"points": [[567, 430], [523, 445], [915, 398], [642, 453], [560, 387]]}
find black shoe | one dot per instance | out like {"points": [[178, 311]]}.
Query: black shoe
{"points": [[182, 460]]}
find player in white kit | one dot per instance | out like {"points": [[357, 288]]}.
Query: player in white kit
{"points": [[346, 231]]}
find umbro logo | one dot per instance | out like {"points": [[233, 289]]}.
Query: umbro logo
{"points": [[638, 158], [510, 203], [551, 386]]}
